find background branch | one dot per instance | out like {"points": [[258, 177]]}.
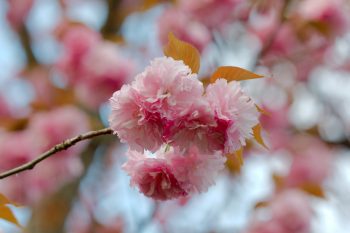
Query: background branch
{"points": [[62, 146]]}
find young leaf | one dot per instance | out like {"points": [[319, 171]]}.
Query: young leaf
{"points": [[3, 200], [235, 161], [257, 135], [6, 214], [232, 73], [262, 111], [239, 155], [313, 189], [180, 50]]}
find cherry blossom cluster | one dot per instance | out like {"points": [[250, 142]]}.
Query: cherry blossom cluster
{"points": [[179, 132], [45, 130]]}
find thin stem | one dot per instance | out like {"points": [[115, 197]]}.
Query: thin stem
{"points": [[59, 147], [26, 41]]}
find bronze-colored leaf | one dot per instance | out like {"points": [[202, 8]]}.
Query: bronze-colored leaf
{"points": [[6, 214], [313, 189], [180, 50], [3, 200], [257, 135], [278, 181], [235, 161], [261, 204], [262, 111], [232, 73]]}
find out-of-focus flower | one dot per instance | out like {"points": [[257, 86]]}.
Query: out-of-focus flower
{"points": [[4, 108], [329, 14], [77, 41], [91, 64], [57, 125], [235, 114], [289, 212], [44, 131], [171, 173], [18, 11], [103, 69], [16, 148], [212, 13], [277, 124], [187, 29], [164, 92], [311, 163], [292, 210], [270, 226]]}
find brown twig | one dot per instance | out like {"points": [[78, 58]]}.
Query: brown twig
{"points": [[59, 147], [26, 41], [113, 20]]}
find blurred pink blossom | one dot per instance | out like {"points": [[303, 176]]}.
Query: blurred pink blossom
{"points": [[329, 12], [212, 13], [16, 148], [288, 212], [55, 126], [77, 41], [186, 29], [18, 11], [44, 131], [292, 210], [104, 69], [311, 163], [90, 63], [4, 108]]}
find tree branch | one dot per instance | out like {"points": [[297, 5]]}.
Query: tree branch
{"points": [[59, 147]]}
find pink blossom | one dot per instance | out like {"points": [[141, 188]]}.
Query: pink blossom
{"points": [[77, 41], [194, 170], [271, 226], [103, 68], [235, 115], [132, 124], [212, 13], [18, 11], [311, 163], [55, 126], [44, 131], [194, 128], [173, 173], [13, 155], [165, 92], [168, 86], [288, 212], [276, 124], [4, 108], [187, 29], [154, 177], [292, 210], [328, 12]]}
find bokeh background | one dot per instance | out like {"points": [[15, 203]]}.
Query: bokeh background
{"points": [[61, 60]]}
